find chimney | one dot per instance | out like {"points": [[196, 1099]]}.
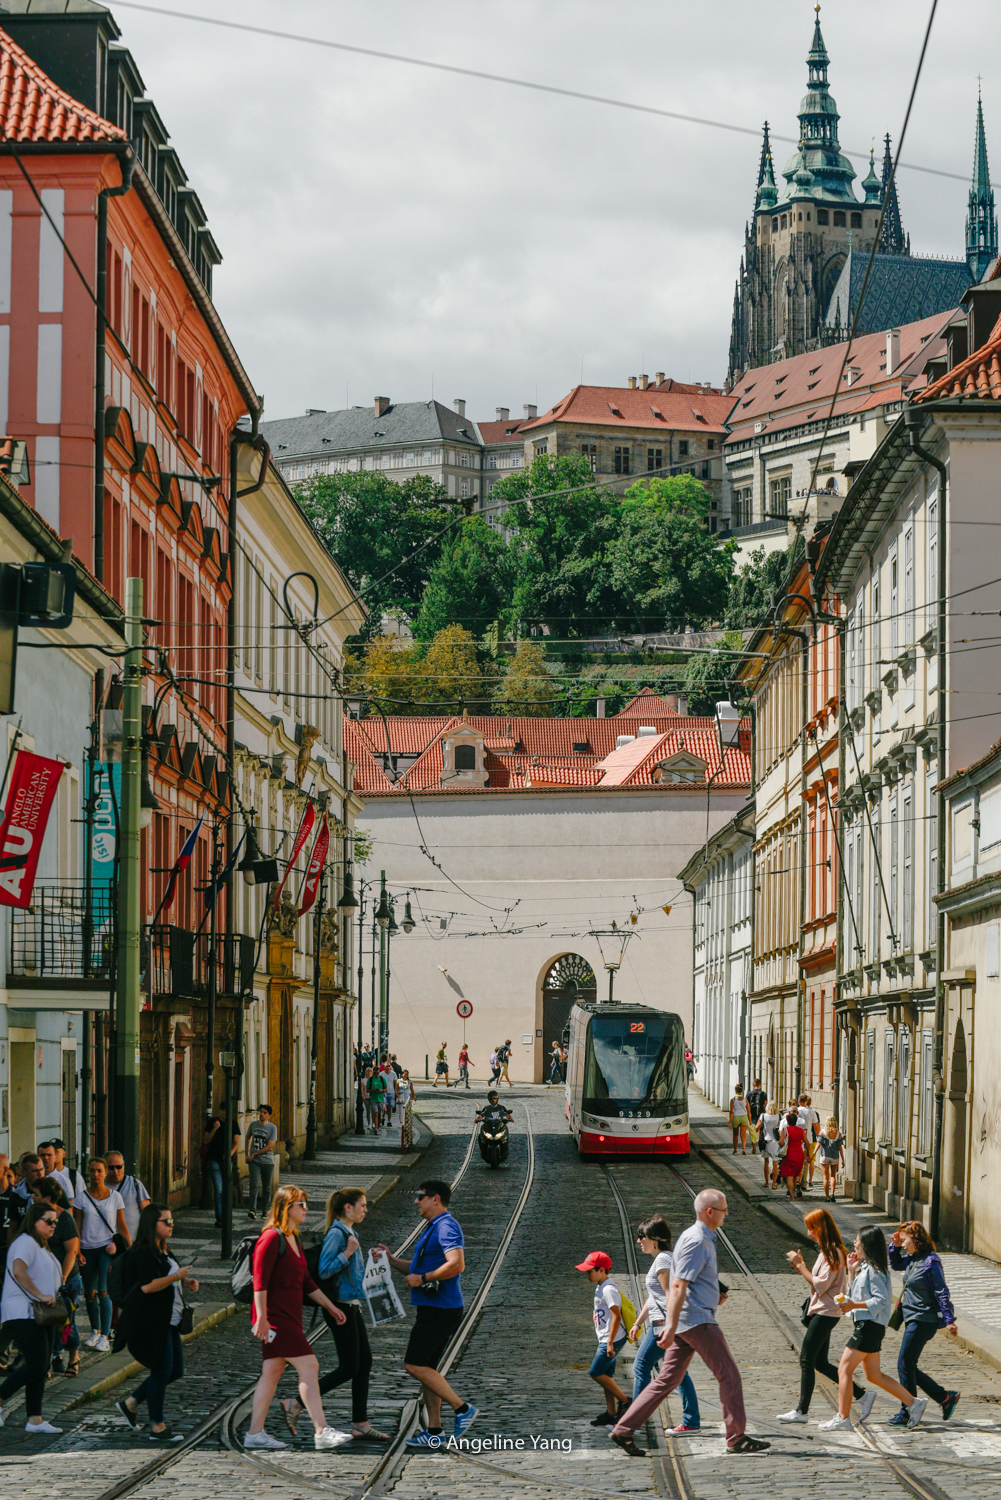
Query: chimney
{"points": [[892, 349], [599, 708], [503, 412], [316, 411], [659, 378], [382, 405], [531, 412], [644, 382], [460, 407], [632, 382], [683, 704]]}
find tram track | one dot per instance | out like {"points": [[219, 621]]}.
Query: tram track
{"points": [[916, 1485]]}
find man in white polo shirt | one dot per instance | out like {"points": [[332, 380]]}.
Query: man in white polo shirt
{"points": [[135, 1195]]}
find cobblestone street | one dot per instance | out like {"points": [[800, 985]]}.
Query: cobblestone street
{"points": [[526, 1363]]}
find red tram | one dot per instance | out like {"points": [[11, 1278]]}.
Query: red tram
{"points": [[627, 1088]]}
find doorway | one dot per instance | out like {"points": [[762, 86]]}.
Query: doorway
{"points": [[568, 980], [22, 1092], [69, 1101]]}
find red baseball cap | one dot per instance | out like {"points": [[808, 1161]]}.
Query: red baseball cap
{"points": [[596, 1261]]}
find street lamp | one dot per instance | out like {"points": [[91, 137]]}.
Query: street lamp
{"points": [[255, 867], [350, 902], [612, 947], [148, 803], [408, 924], [309, 1153]]}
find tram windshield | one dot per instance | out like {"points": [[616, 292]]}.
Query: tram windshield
{"points": [[635, 1062]]}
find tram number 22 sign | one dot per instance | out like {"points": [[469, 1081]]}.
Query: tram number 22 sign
{"points": [[464, 1009]]}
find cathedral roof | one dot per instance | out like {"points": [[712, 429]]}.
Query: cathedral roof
{"points": [[902, 289], [819, 154], [798, 390]]}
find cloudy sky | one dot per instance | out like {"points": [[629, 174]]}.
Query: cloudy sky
{"points": [[387, 229]]}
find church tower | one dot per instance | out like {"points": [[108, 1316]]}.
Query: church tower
{"points": [[801, 234], [981, 220]]}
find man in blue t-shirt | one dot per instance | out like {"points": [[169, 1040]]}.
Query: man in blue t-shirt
{"points": [[433, 1276]]}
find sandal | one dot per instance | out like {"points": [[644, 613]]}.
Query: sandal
{"points": [[291, 1411], [746, 1444], [370, 1434], [73, 1368]]}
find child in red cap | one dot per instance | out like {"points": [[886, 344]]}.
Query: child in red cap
{"points": [[611, 1333]]}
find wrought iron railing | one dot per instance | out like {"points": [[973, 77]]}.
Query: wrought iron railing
{"points": [[180, 962], [66, 933]]}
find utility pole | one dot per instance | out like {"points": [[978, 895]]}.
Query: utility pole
{"points": [[309, 1154], [383, 924], [127, 996], [359, 1102], [213, 982]]}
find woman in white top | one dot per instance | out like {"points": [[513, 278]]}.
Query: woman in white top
{"points": [[654, 1238], [33, 1275], [100, 1215], [769, 1126], [739, 1119]]}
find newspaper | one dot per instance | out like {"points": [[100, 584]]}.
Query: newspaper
{"points": [[383, 1303]]}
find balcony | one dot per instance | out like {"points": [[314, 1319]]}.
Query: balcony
{"points": [[180, 962], [60, 945]]}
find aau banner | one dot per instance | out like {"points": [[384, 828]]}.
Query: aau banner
{"points": [[33, 786], [315, 872], [300, 839]]}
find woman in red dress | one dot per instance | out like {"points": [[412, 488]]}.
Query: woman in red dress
{"points": [[280, 1282], [792, 1163]]}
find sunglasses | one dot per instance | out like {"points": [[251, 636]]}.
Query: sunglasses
{"points": [[48, 1221], [168, 1222], [419, 1196]]}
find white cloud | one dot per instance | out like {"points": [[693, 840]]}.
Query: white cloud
{"points": [[384, 225]]}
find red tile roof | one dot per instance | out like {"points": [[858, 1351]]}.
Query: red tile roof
{"points": [[979, 375], [799, 389], [664, 408], [646, 702], [33, 108], [526, 753], [500, 432]]}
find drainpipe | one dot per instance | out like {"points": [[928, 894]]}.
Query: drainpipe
{"points": [[914, 421], [100, 392]]}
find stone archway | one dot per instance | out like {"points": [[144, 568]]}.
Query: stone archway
{"points": [[568, 979]]}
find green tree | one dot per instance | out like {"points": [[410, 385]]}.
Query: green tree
{"points": [[450, 676], [386, 673], [561, 523], [526, 690], [385, 536], [750, 601], [708, 674], [666, 567], [469, 585]]}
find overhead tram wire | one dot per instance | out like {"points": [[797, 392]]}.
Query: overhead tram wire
{"points": [[485, 77]]}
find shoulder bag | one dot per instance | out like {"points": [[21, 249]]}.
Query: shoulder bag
{"points": [[56, 1316], [120, 1242]]}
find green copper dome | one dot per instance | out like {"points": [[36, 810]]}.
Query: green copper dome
{"points": [[829, 174], [871, 184]]}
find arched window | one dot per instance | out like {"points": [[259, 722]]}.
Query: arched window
{"points": [[839, 219], [856, 221]]}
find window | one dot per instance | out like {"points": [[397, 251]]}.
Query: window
{"points": [[779, 494], [491, 460], [875, 889], [909, 583], [465, 757], [541, 448], [711, 444], [907, 873], [621, 463], [823, 217], [894, 592], [931, 530], [464, 460], [889, 1081], [894, 872], [705, 469], [856, 221], [869, 1094], [654, 458], [683, 448], [775, 223], [926, 1103], [785, 222], [464, 489], [839, 219], [992, 959], [590, 452], [904, 1087]]}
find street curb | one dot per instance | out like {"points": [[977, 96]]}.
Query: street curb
{"points": [[133, 1367]]}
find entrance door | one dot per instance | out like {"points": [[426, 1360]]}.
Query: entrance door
{"points": [[69, 1104], [568, 980], [22, 1098]]}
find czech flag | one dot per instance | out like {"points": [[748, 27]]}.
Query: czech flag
{"points": [[181, 863]]}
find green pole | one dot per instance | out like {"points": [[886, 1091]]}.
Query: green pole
{"points": [[127, 997], [382, 975]]}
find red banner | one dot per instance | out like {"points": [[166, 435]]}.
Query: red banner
{"points": [[300, 839], [33, 786], [315, 872]]}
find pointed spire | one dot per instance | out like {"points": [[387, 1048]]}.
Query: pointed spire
{"points": [[892, 240], [767, 191], [870, 182], [981, 220], [817, 58]]}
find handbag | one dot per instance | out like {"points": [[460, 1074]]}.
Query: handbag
{"points": [[119, 1241], [56, 1316], [896, 1318], [804, 1316]]}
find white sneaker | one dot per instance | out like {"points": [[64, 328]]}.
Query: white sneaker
{"points": [[791, 1416], [262, 1439], [103, 1345], [90, 1341], [330, 1437], [836, 1424], [41, 1427], [865, 1405], [916, 1411]]}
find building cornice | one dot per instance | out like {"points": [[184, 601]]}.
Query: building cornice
{"points": [[972, 896]]}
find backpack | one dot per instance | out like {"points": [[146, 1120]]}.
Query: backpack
{"points": [[329, 1285], [118, 1290], [241, 1278], [628, 1312]]}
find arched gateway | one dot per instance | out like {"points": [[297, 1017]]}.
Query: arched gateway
{"points": [[568, 979]]}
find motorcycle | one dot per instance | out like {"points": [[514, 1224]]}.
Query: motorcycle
{"points": [[494, 1142]]}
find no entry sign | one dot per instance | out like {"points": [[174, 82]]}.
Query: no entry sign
{"points": [[464, 1009]]}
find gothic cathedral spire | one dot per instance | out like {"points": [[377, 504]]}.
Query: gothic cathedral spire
{"points": [[892, 240], [981, 220]]}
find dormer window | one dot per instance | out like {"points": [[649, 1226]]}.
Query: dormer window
{"points": [[465, 757]]}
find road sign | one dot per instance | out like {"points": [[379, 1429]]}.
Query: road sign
{"points": [[464, 1009]]}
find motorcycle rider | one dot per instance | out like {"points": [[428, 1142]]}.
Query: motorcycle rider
{"points": [[493, 1110]]}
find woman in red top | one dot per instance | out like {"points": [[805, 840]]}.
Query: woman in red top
{"points": [[792, 1163], [280, 1282]]}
